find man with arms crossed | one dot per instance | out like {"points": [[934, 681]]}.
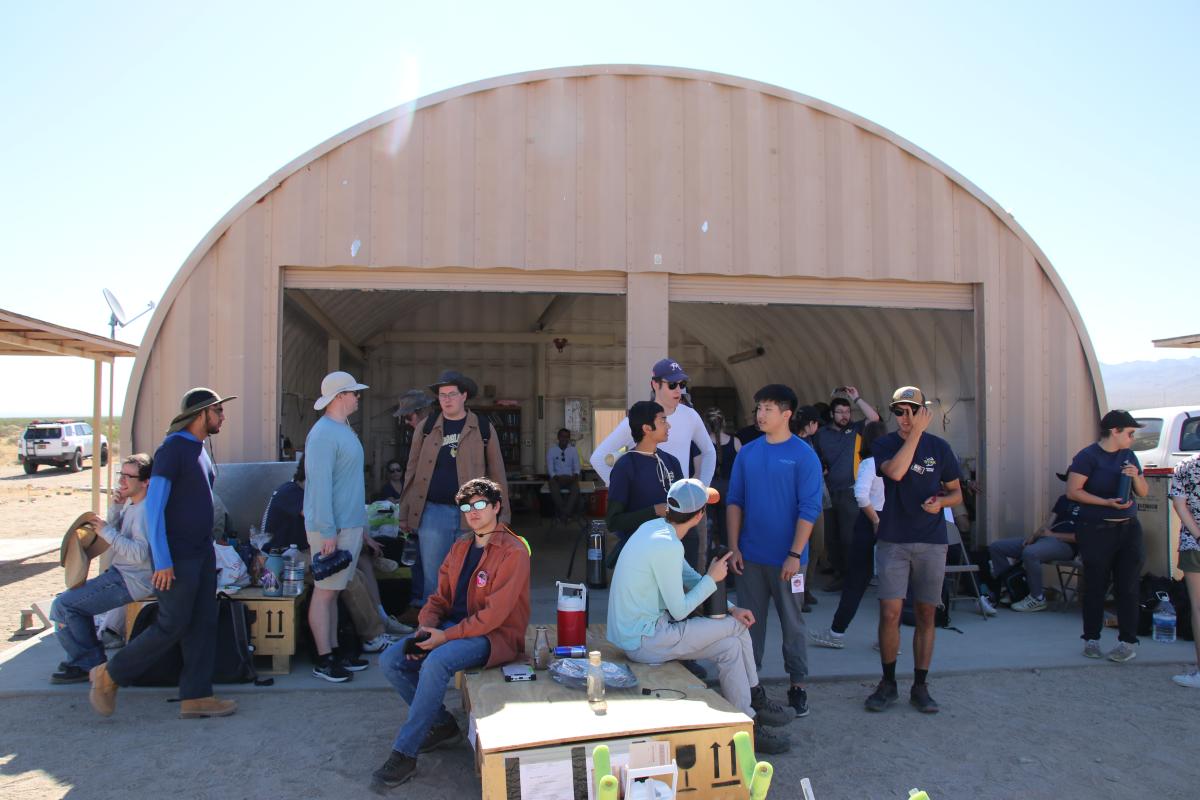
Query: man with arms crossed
{"points": [[920, 478]]}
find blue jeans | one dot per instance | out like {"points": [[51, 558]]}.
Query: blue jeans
{"points": [[74, 609], [440, 526], [423, 684]]}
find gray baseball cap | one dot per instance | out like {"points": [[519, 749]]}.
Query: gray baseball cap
{"points": [[689, 495]]}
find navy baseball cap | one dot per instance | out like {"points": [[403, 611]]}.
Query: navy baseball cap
{"points": [[668, 369]]}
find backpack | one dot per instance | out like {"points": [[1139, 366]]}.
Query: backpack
{"points": [[1015, 582], [348, 642], [485, 429], [941, 617], [234, 658], [165, 671]]}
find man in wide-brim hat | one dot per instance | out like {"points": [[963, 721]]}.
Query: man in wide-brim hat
{"points": [[179, 515]]}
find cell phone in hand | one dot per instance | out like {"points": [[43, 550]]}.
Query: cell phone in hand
{"points": [[411, 649]]}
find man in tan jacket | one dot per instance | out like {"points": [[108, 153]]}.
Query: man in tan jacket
{"points": [[450, 448]]}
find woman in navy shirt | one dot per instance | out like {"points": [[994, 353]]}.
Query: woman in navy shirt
{"points": [[1109, 536]]}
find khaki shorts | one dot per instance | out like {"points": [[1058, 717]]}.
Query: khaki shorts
{"points": [[347, 539], [921, 563], [1189, 560]]}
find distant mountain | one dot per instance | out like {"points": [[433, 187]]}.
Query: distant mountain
{"points": [[1146, 384]]}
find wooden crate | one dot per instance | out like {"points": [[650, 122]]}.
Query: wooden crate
{"points": [[535, 739]]}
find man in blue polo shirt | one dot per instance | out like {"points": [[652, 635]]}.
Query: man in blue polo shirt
{"points": [[179, 517], [920, 479]]}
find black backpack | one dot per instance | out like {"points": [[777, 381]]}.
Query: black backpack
{"points": [[941, 617], [165, 671], [485, 429], [234, 658], [1015, 582]]}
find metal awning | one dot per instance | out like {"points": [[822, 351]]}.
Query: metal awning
{"points": [[25, 336], [1179, 341]]}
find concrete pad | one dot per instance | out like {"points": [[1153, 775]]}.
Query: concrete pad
{"points": [[21, 549]]}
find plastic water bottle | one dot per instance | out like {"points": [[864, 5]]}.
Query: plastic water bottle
{"points": [[595, 683], [1164, 619]]}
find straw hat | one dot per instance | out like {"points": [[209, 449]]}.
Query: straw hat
{"points": [[80, 545]]}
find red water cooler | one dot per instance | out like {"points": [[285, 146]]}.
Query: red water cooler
{"points": [[572, 614]]}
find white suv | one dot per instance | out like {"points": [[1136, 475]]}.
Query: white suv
{"points": [[64, 443]]}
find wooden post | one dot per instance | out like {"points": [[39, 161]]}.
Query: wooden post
{"points": [[646, 320], [333, 356], [97, 383]]}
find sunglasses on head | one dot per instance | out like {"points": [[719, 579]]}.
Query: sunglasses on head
{"points": [[478, 505], [674, 384]]}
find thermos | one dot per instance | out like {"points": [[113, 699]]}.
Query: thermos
{"points": [[273, 586], [716, 605], [572, 614], [1124, 485], [597, 574]]}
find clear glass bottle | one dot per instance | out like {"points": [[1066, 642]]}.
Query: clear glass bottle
{"points": [[408, 556], [595, 683], [541, 648]]}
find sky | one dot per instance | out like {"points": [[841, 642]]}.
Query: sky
{"points": [[131, 128]]}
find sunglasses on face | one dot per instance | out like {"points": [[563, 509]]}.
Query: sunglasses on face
{"points": [[675, 384], [903, 411], [394, 469], [478, 505]]}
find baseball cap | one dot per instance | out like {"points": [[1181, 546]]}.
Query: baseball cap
{"points": [[909, 395], [668, 369], [689, 495], [1117, 418]]}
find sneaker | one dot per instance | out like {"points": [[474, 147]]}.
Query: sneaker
{"points": [[920, 699], [766, 710], [770, 742], [1091, 648], [827, 638], [441, 733], [798, 700], [69, 673], [986, 606], [395, 627], [379, 643], [884, 696], [352, 664], [1190, 679], [111, 640], [395, 771], [1029, 603], [331, 670], [1124, 651]]}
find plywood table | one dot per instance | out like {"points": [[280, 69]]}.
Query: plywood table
{"points": [[535, 739]]}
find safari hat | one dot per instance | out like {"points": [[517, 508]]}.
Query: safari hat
{"points": [[80, 545], [194, 401], [334, 384]]}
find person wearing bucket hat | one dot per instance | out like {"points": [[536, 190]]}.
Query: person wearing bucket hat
{"points": [[412, 406], [335, 516], [126, 579], [179, 517]]}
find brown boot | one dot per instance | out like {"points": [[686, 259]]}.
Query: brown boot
{"points": [[206, 707], [103, 695]]}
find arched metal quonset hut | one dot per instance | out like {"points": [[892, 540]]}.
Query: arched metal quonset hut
{"points": [[553, 233]]}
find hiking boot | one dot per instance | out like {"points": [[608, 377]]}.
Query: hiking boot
{"points": [[798, 700], [353, 664], [770, 742], [330, 669], [395, 771], [1190, 679], [69, 673], [1029, 603], [441, 733], [985, 605], [919, 697], [827, 638], [1091, 648], [396, 627], [1124, 651], [103, 695], [203, 707], [379, 643], [766, 710], [885, 695]]}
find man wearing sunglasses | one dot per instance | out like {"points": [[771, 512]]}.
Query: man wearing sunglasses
{"points": [[476, 618], [668, 382], [920, 479]]}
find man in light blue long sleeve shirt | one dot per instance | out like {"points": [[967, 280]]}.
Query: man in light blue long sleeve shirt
{"points": [[653, 591]]}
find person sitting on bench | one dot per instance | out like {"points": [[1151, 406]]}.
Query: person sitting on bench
{"points": [[654, 590], [1053, 541], [127, 578], [476, 617]]}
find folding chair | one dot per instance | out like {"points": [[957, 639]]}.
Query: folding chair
{"points": [[954, 539], [1069, 573]]}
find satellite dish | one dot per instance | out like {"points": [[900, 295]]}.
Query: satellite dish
{"points": [[119, 317]]}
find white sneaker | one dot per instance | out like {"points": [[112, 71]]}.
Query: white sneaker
{"points": [[379, 643], [1029, 603], [1191, 679], [827, 638], [986, 606]]}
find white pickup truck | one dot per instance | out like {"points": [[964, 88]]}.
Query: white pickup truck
{"points": [[1171, 435]]}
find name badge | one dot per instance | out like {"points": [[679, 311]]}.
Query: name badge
{"points": [[798, 583]]}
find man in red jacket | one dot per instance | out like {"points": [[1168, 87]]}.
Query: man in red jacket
{"points": [[477, 617]]}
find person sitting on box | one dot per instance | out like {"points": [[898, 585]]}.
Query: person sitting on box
{"points": [[476, 617], [654, 590]]}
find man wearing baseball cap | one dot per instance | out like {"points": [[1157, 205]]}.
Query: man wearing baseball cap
{"points": [[334, 512], [653, 586], [920, 478]]}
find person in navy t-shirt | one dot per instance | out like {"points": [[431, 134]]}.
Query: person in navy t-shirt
{"points": [[638, 484], [920, 478]]}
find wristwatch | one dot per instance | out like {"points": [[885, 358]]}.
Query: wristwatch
{"points": [[794, 554]]}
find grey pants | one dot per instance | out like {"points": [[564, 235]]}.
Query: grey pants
{"points": [[757, 587], [1043, 551], [725, 641]]}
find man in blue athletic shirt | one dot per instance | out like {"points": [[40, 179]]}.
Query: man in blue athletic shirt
{"points": [[639, 481], [920, 479], [179, 516]]}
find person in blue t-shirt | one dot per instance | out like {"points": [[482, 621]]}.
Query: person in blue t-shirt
{"points": [[1108, 533], [1053, 541], [920, 478], [638, 484], [774, 498]]}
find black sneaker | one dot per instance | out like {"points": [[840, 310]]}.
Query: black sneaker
{"points": [[441, 733], [766, 710], [352, 664], [395, 771], [68, 673], [798, 700], [919, 697], [770, 742], [885, 695], [331, 669]]}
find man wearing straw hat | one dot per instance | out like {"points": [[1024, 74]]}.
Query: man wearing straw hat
{"points": [[179, 517]]}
